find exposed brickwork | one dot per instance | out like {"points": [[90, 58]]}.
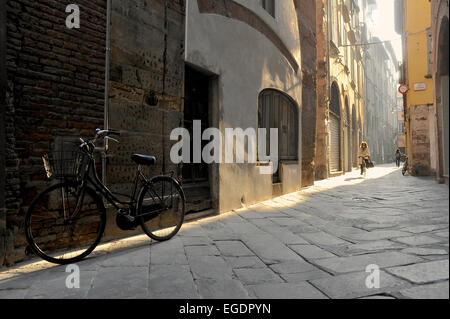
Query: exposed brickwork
{"points": [[55, 88], [419, 121]]}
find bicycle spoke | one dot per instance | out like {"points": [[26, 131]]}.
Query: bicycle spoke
{"points": [[57, 236]]}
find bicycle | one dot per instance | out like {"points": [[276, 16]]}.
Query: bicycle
{"points": [[364, 166], [66, 221]]}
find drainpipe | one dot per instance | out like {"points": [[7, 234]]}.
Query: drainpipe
{"points": [[107, 73]]}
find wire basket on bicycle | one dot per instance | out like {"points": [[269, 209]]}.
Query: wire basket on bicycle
{"points": [[65, 163]]}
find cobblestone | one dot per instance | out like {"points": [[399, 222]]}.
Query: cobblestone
{"points": [[315, 243]]}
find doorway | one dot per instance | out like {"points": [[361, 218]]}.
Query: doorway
{"points": [[196, 176]]}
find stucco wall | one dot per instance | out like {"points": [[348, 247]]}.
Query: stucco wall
{"points": [[246, 62]]}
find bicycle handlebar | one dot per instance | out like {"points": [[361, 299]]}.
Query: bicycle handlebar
{"points": [[89, 146], [100, 133]]}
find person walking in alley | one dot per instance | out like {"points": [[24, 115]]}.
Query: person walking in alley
{"points": [[364, 157], [398, 157]]}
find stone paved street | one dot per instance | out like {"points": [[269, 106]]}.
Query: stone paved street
{"points": [[315, 243]]}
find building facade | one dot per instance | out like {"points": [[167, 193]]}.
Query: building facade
{"points": [[440, 73], [421, 144], [170, 64], [247, 54], [340, 109]]}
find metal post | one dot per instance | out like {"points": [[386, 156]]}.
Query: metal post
{"points": [[3, 81], [107, 73]]}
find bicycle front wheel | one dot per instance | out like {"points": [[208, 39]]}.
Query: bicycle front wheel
{"points": [[64, 224], [161, 208]]}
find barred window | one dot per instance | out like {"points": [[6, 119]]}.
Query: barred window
{"points": [[269, 6], [278, 110]]}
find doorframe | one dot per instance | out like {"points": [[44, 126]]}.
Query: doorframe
{"points": [[215, 107]]}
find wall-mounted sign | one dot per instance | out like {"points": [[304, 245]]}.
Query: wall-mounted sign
{"points": [[403, 89], [420, 86]]}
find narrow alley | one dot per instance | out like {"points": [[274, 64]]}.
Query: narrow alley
{"points": [[316, 243]]}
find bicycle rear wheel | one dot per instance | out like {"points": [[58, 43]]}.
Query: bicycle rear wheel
{"points": [[64, 225], [161, 208]]}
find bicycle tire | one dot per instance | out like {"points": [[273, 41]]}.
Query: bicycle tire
{"points": [[38, 248], [153, 225]]}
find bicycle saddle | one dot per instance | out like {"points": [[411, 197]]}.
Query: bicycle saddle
{"points": [[143, 159]]}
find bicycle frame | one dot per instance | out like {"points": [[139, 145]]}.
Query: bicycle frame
{"points": [[90, 176]]}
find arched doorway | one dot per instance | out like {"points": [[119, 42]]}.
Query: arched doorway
{"points": [[442, 98], [335, 130]]}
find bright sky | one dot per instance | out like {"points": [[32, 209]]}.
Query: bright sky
{"points": [[385, 25]]}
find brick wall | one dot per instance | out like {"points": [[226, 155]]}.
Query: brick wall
{"points": [[306, 12], [55, 89]]}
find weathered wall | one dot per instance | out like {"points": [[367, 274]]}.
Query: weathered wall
{"points": [[55, 88], [2, 128], [248, 56], [306, 12], [420, 117], [147, 51], [321, 158], [417, 17]]}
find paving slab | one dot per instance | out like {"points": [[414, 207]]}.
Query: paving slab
{"points": [[354, 285], [292, 267], [311, 251], [210, 267], [245, 262], [305, 276], [322, 238], [424, 251], [221, 289], [377, 235], [171, 282], [376, 245], [286, 291], [423, 272], [203, 250], [360, 262], [233, 249], [418, 240], [268, 248], [119, 282], [433, 291], [423, 228], [256, 276]]}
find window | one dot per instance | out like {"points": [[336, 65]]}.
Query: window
{"points": [[278, 110], [269, 6]]}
